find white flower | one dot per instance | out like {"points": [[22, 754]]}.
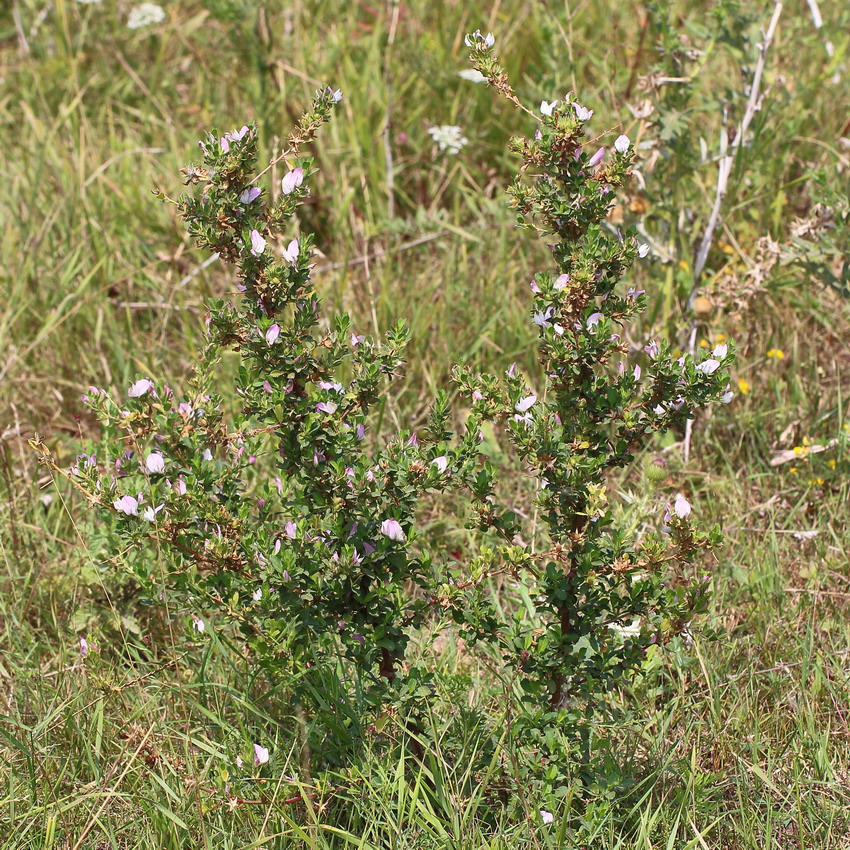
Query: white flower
{"points": [[473, 75], [149, 513], [525, 403], [727, 397], [198, 626], [207, 455], [448, 137], [622, 144], [720, 351], [144, 15], [643, 249], [257, 595], [261, 755], [548, 108], [548, 817]]}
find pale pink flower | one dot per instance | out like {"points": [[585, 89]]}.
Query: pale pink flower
{"points": [[140, 388], [441, 463], [593, 320], [547, 108], [261, 755], [582, 113], [292, 181], [272, 334], [258, 244], [525, 403], [250, 195], [290, 253], [391, 529], [128, 505], [622, 144], [155, 462], [84, 647], [682, 506], [708, 367], [596, 158]]}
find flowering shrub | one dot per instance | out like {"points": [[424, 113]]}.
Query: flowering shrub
{"points": [[595, 600], [275, 514]]}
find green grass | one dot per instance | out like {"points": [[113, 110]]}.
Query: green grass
{"points": [[743, 745]]}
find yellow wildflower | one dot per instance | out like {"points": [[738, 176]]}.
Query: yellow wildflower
{"points": [[744, 386], [778, 353]]}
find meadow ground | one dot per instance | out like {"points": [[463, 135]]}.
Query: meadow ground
{"points": [[743, 745]]}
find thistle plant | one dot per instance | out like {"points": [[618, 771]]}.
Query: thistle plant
{"points": [[273, 508], [596, 598]]}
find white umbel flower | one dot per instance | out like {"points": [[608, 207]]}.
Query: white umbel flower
{"points": [[448, 137], [144, 15]]}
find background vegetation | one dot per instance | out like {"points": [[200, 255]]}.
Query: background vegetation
{"points": [[746, 745]]}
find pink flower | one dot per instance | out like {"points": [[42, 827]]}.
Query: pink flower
{"points": [[542, 319], [547, 817], [258, 244], [272, 334], [180, 486], [441, 463], [637, 372], [720, 351], [290, 253], [250, 195], [525, 403], [708, 367], [127, 505], [328, 407], [155, 462], [290, 530], [561, 281], [593, 320], [596, 158], [140, 388], [84, 647], [547, 108], [391, 529], [652, 349], [582, 113], [237, 135], [682, 506], [622, 144], [292, 181], [198, 625], [261, 755]]}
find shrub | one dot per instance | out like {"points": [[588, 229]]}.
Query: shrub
{"points": [[273, 512]]}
